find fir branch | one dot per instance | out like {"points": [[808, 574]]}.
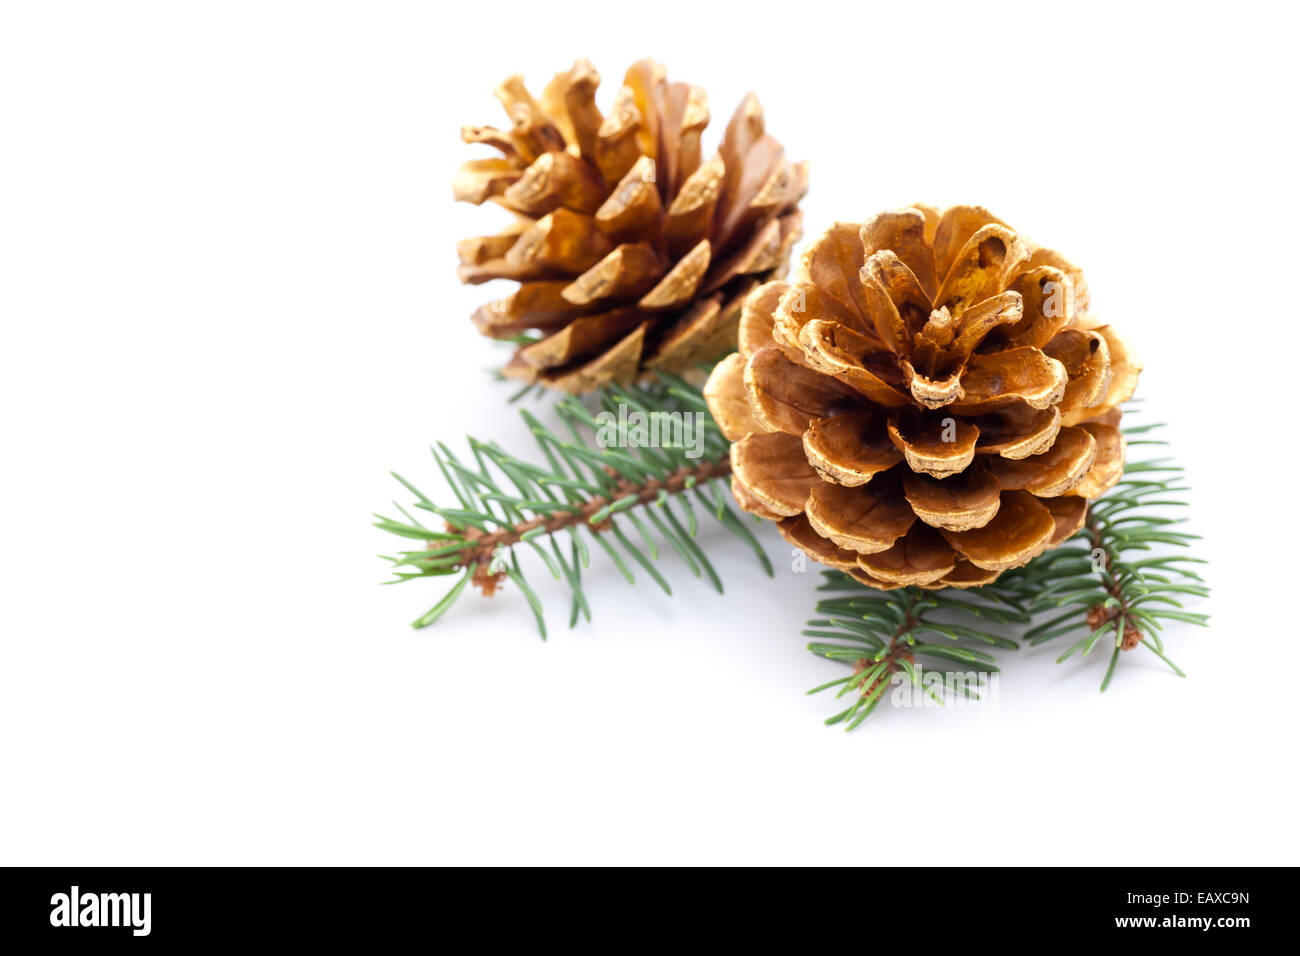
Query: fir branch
{"points": [[883, 633], [1124, 574], [600, 479]]}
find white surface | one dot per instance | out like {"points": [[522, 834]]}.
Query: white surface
{"points": [[229, 309]]}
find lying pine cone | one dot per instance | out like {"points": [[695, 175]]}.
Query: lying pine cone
{"points": [[630, 253], [927, 403]]}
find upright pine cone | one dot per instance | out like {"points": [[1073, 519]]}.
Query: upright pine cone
{"points": [[630, 253], [928, 403]]}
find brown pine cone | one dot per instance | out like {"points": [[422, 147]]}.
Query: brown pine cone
{"points": [[630, 253], [927, 403]]}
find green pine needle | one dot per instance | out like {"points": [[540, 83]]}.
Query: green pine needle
{"points": [[1126, 570], [584, 487]]}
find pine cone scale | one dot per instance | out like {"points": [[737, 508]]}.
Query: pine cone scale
{"points": [[927, 403], [625, 212]]}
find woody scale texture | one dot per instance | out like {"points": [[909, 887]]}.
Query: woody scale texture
{"points": [[632, 252], [927, 402]]}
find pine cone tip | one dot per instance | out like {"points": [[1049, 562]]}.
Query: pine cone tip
{"points": [[632, 252]]}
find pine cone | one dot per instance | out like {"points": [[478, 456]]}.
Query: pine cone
{"points": [[931, 367], [630, 253]]}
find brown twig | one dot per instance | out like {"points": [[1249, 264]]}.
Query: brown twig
{"points": [[1099, 614], [893, 654], [480, 546]]}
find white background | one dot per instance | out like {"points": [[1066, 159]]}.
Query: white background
{"points": [[229, 303]]}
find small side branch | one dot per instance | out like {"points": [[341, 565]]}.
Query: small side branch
{"points": [[600, 483], [1127, 572], [884, 634], [592, 513]]}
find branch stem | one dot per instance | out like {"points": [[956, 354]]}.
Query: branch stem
{"points": [[893, 653], [479, 546], [1096, 537]]}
